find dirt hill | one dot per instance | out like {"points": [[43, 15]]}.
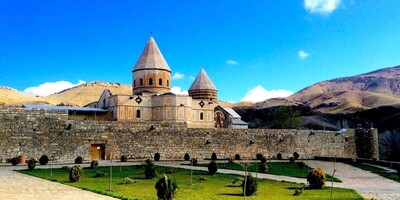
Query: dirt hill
{"points": [[10, 96]]}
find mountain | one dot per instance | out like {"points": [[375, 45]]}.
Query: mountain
{"points": [[77, 96]]}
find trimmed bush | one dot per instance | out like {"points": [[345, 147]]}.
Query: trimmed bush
{"points": [[94, 164], [316, 178], [194, 161], [212, 168], [299, 192], [150, 169], [279, 156], [259, 156], [99, 174], [31, 164], [251, 185], [14, 161], [263, 168], [157, 157], [186, 157], [301, 164], [263, 159], [124, 158], [166, 188], [78, 160], [128, 180], [214, 156], [237, 157], [43, 160], [75, 173], [296, 155], [291, 159]]}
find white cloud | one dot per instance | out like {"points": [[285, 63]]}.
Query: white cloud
{"points": [[178, 90], [260, 94], [232, 62], [49, 88], [178, 75], [303, 54], [324, 7]]}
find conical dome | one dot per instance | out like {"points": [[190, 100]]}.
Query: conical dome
{"points": [[151, 58], [203, 88]]}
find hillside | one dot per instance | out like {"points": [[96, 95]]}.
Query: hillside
{"points": [[10, 96]]}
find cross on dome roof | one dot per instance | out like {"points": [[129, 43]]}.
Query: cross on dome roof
{"points": [[151, 58]]}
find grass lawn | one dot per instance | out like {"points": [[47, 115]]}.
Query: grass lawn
{"points": [[377, 170], [218, 186], [275, 168]]}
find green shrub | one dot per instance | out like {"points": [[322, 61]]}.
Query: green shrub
{"points": [[128, 180], [186, 157], [31, 164], [279, 156], [78, 160], [75, 173], [259, 156], [301, 164], [43, 160], [251, 185], [94, 164], [194, 161], [263, 159], [237, 157], [212, 167], [166, 188], [124, 158], [14, 161], [150, 169], [263, 168], [201, 178], [316, 178], [99, 174], [299, 191], [291, 159], [157, 157], [214, 156], [296, 155], [169, 170]]}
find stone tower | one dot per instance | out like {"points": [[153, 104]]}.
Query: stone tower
{"points": [[151, 71], [203, 88]]}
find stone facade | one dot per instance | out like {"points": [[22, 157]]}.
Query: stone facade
{"points": [[37, 132]]}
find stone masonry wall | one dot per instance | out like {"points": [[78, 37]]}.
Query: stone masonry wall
{"points": [[37, 132]]}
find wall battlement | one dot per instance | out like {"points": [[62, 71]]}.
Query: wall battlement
{"points": [[37, 132]]}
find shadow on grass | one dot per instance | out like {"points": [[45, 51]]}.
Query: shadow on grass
{"points": [[233, 186], [230, 194]]}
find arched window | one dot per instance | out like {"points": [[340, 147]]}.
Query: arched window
{"points": [[167, 83], [137, 113], [150, 81], [134, 83], [201, 116], [141, 82], [160, 81]]}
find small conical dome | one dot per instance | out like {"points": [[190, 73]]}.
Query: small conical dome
{"points": [[151, 58], [203, 88]]}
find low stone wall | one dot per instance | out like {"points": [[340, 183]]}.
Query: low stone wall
{"points": [[35, 133]]}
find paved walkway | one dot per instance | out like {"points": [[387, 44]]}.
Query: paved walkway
{"points": [[17, 186]]}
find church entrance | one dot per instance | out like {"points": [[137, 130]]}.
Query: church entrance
{"points": [[97, 151], [219, 119]]}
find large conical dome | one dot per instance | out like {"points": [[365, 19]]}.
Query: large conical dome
{"points": [[203, 88], [151, 58]]}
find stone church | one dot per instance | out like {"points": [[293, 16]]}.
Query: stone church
{"points": [[152, 100]]}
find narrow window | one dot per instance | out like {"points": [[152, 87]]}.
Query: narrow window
{"points": [[201, 116], [134, 83], [150, 81], [141, 82], [167, 83], [160, 81], [104, 103], [137, 113]]}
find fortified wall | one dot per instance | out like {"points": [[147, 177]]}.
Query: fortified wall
{"points": [[37, 132]]}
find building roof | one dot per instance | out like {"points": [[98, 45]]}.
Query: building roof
{"points": [[238, 122], [232, 112], [202, 82], [151, 58], [68, 108]]}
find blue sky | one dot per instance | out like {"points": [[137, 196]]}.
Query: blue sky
{"points": [[251, 49]]}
